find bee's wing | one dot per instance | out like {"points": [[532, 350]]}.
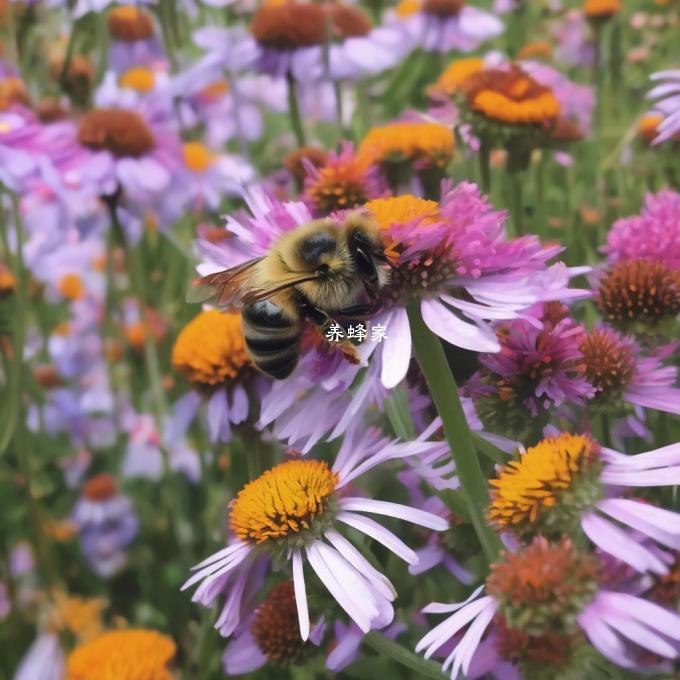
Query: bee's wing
{"points": [[226, 288], [236, 287]]}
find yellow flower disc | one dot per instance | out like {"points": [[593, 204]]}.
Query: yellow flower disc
{"points": [[210, 349], [123, 655], [528, 486], [283, 501]]}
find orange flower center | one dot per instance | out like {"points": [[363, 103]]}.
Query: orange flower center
{"points": [[138, 78], [197, 157], [123, 655], [289, 26], [71, 287], [129, 23], [210, 349], [100, 488]]}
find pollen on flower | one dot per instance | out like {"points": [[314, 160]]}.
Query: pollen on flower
{"points": [[340, 184], [123, 133], [639, 291], [124, 655], [526, 489], [543, 586], [138, 78], [197, 157], [289, 26], [285, 501], [609, 361], [100, 488], [455, 74], [406, 8], [275, 627], [129, 23], [71, 287], [511, 96], [427, 144], [402, 210], [601, 8], [210, 349]]}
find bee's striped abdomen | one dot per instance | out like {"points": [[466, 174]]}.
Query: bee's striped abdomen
{"points": [[272, 338]]}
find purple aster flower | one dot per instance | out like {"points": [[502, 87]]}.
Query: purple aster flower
{"points": [[446, 25], [532, 620], [574, 45], [540, 367], [134, 38], [667, 96], [359, 588], [106, 523], [652, 235], [460, 245]]}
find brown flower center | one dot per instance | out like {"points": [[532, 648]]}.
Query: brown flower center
{"points": [[123, 133], [276, 629], [288, 26], [609, 363], [128, 23], [314, 154], [100, 487], [639, 290], [348, 21], [443, 8]]}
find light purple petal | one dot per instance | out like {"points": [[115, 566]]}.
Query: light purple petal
{"points": [[425, 519]]}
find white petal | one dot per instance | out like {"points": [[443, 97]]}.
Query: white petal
{"points": [[421, 517], [300, 595]]}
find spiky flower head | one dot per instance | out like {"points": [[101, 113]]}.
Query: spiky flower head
{"points": [[548, 487], [544, 586]]}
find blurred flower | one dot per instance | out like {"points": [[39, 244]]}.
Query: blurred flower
{"points": [[345, 180], [652, 235], [574, 46], [567, 481], [131, 654], [445, 25], [617, 369], [289, 38], [459, 244], [106, 523], [667, 96], [419, 143], [541, 601], [598, 10], [133, 38], [455, 74], [211, 352], [310, 508], [539, 368]]}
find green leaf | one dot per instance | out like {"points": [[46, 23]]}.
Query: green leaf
{"points": [[403, 656]]}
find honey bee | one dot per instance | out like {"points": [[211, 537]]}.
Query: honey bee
{"points": [[322, 272]]}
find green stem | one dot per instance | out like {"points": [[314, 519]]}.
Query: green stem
{"points": [[396, 409], [337, 87], [444, 391], [68, 58], [485, 167], [515, 198], [294, 110], [403, 656], [14, 379]]}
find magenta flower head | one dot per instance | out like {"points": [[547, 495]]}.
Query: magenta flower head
{"points": [[540, 367], [455, 259], [545, 608], [294, 513], [654, 234]]}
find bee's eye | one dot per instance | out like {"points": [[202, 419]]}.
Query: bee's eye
{"points": [[322, 268]]}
